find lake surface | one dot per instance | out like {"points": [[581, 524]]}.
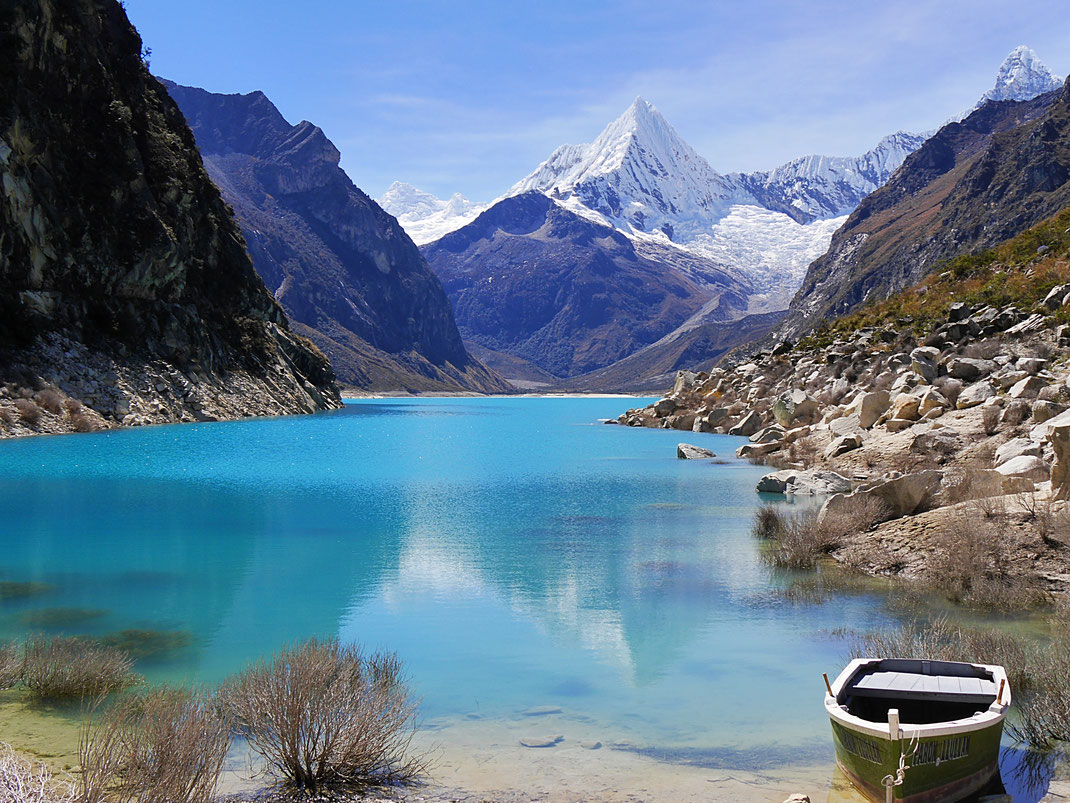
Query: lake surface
{"points": [[514, 552]]}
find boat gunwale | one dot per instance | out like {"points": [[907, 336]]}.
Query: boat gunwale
{"points": [[993, 715]]}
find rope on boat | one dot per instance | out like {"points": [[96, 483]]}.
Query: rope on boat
{"points": [[891, 781]]}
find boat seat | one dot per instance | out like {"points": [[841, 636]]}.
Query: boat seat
{"points": [[912, 686]]}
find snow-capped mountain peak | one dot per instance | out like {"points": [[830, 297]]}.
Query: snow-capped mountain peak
{"points": [[1022, 76], [639, 175], [423, 216]]}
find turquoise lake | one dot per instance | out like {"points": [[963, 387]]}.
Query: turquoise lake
{"points": [[514, 552]]}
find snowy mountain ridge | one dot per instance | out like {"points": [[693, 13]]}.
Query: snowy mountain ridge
{"points": [[424, 217], [639, 174], [1022, 76]]}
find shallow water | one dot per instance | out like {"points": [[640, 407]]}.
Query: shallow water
{"points": [[514, 552]]}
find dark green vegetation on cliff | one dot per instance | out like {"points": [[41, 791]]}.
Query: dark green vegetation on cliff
{"points": [[536, 281], [970, 187], [1021, 272], [114, 241], [343, 269]]}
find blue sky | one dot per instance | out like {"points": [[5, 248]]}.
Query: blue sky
{"points": [[470, 96]]}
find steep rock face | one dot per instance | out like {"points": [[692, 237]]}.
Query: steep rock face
{"points": [[341, 267], [114, 243], [1022, 76], [532, 279], [972, 185]]}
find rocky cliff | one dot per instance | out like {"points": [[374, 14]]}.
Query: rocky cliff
{"points": [[972, 185], [125, 281], [344, 270]]}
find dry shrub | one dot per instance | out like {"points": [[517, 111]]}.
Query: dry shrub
{"points": [[323, 714], [72, 406], [64, 667], [769, 522], [1052, 525], [22, 781], [940, 640], [950, 388], [163, 745], [10, 665], [1038, 671], [800, 542], [28, 411], [803, 451], [7, 416], [50, 399], [990, 415], [983, 349], [972, 566], [80, 422]]}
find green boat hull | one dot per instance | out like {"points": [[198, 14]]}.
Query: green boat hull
{"points": [[943, 769]]}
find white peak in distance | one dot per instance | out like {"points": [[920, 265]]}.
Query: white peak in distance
{"points": [[639, 175], [424, 217], [1022, 76]]}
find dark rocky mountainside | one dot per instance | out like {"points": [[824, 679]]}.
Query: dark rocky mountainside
{"points": [[342, 268], [972, 185], [534, 280], [125, 280]]}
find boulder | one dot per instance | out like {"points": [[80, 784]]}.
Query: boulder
{"points": [[1017, 447], [1034, 323], [803, 483], [1043, 410], [716, 416], [748, 425], [1054, 299], [1060, 470], [845, 425], [870, 406], [923, 362], [985, 482], [541, 741], [798, 797], [1025, 466], [899, 424], [685, 380], [842, 445], [1040, 432], [1008, 378], [795, 434], [930, 400], [1027, 388], [958, 312], [768, 435], [975, 394], [794, 406], [664, 406], [757, 449], [906, 406], [969, 369], [685, 451], [902, 496], [1031, 365]]}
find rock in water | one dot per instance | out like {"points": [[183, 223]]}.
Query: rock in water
{"points": [[116, 245], [540, 711], [685, 451], [541, 741]]}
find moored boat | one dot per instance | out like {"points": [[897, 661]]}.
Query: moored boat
{"points": [[918, 731]]}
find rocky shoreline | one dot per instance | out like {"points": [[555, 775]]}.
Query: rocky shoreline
{"points": [[60, 385], [970, 423]]}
